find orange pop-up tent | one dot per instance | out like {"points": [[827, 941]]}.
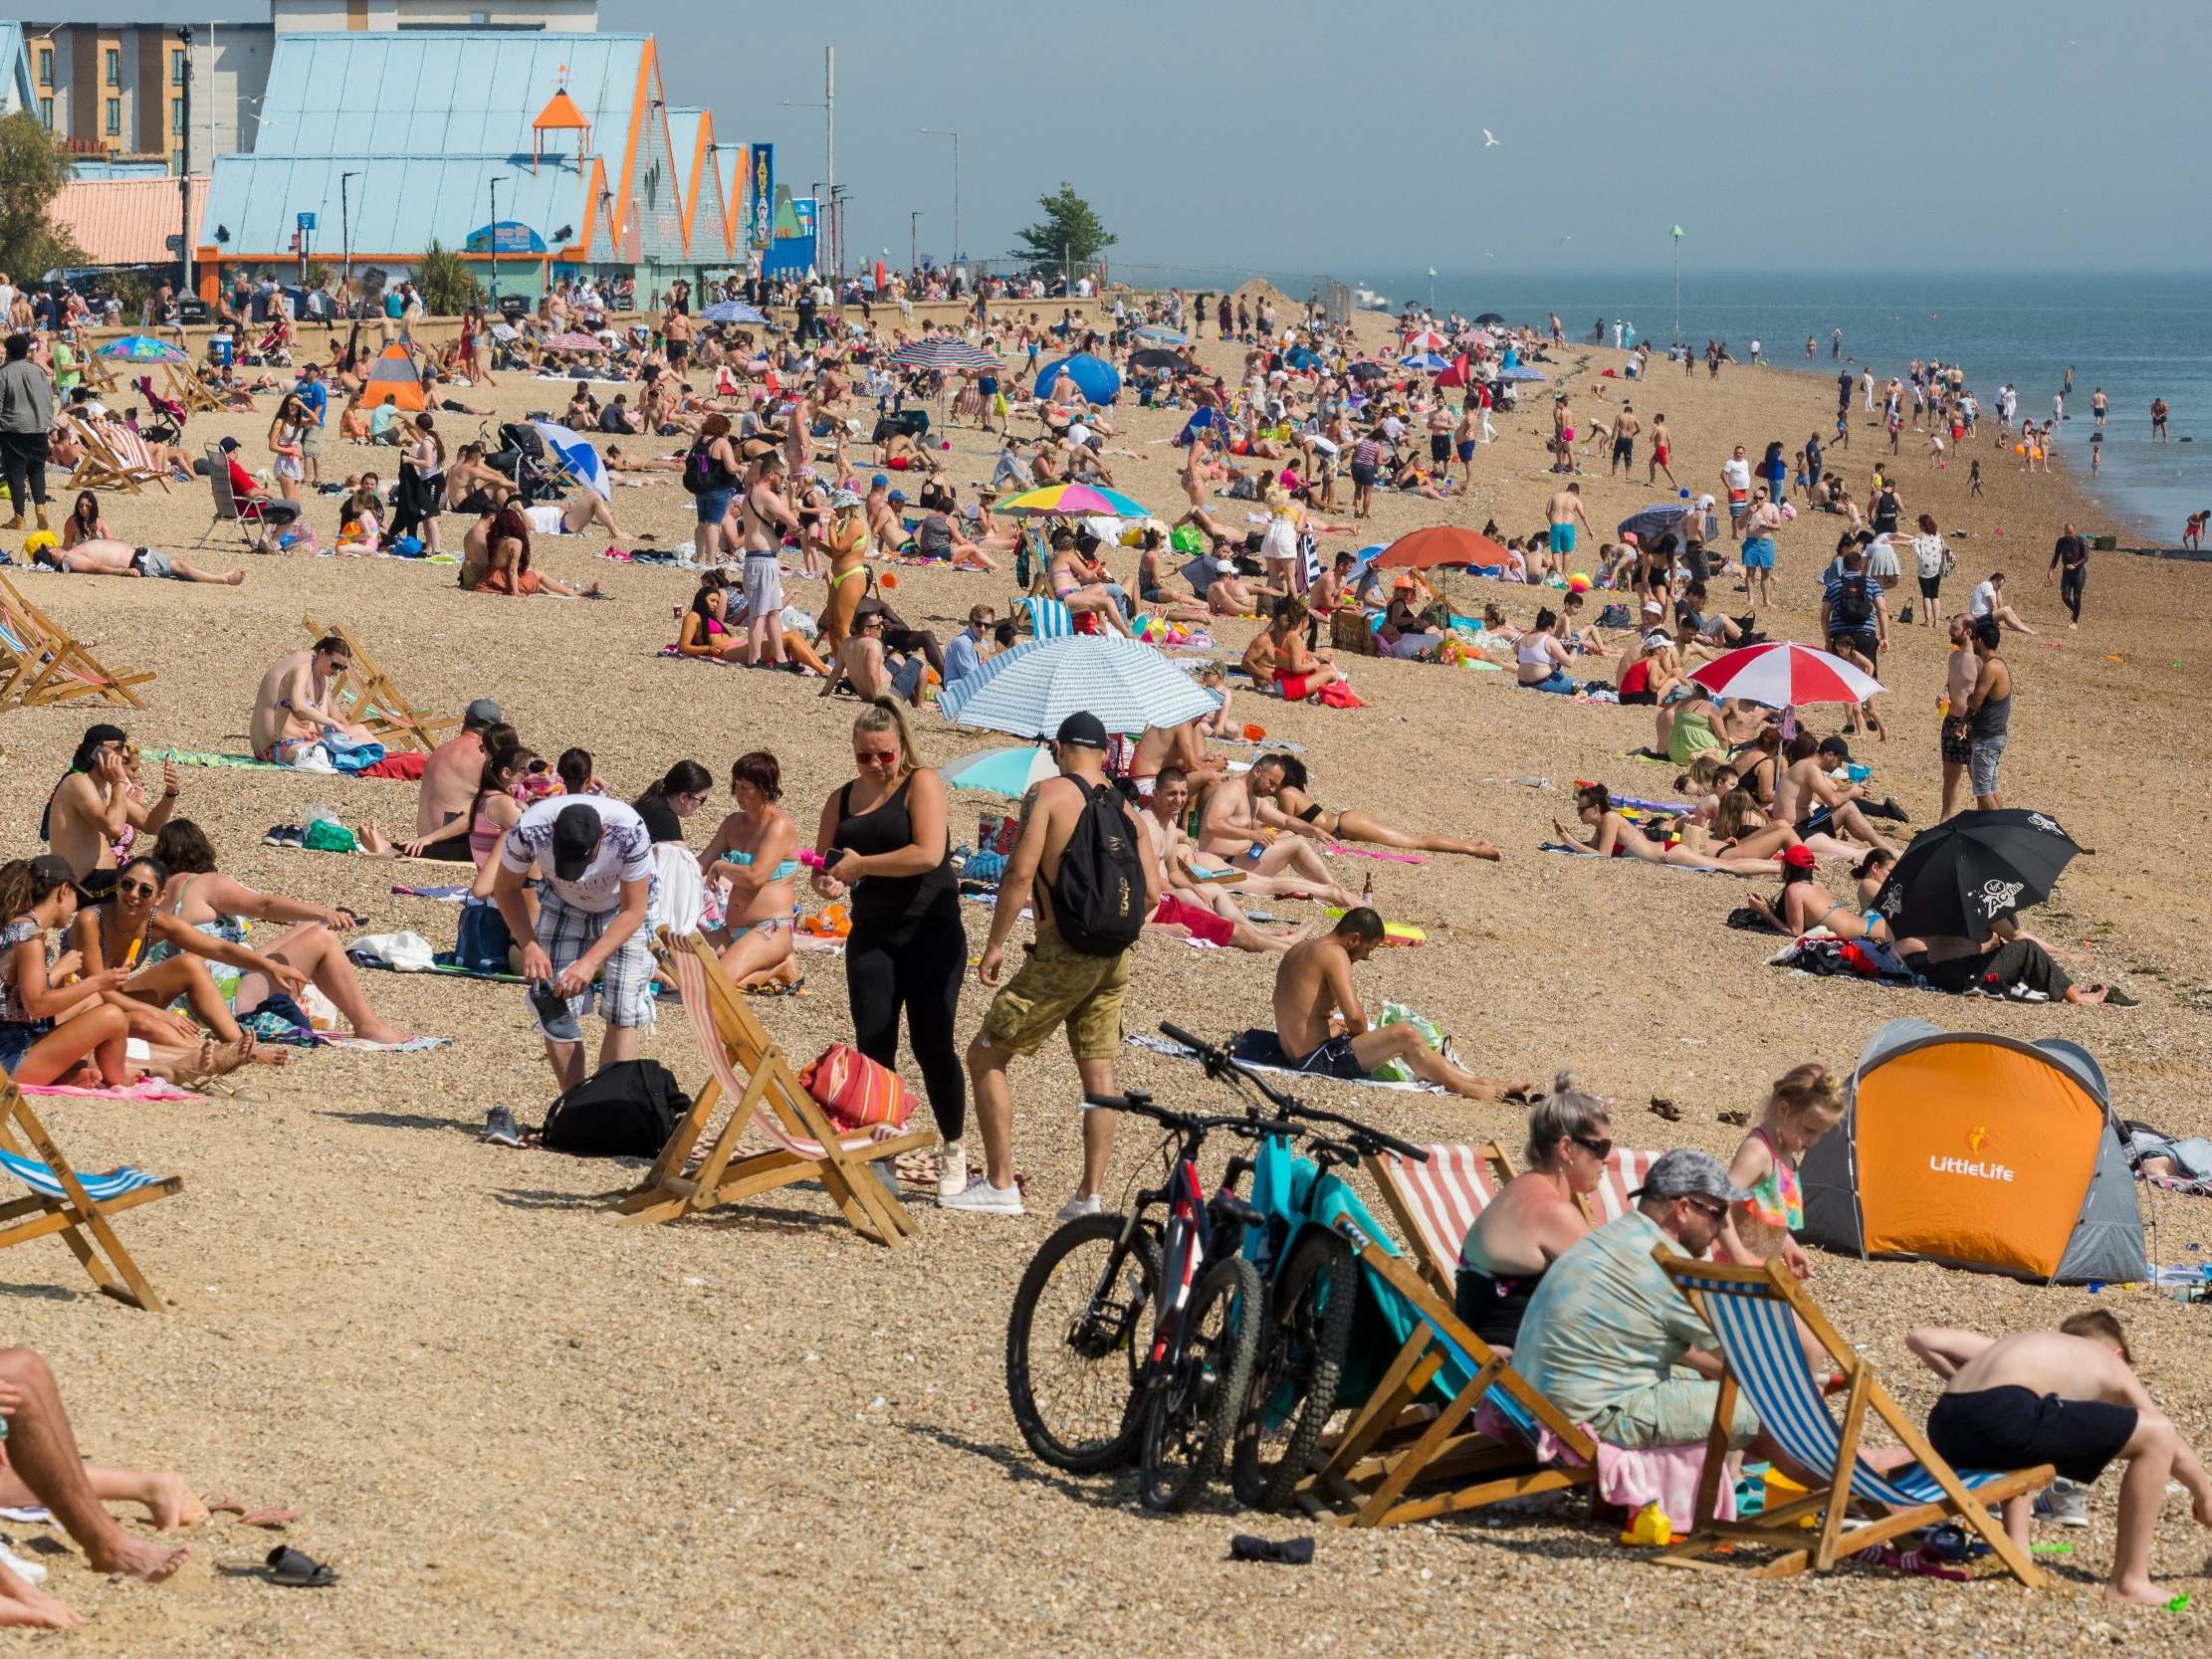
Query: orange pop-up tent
{"points": [[393, 373]]}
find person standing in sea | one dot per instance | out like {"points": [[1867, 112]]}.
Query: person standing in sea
{"points": [[2158, 414]]}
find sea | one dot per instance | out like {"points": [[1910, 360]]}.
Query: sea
{"points": [[2138, 336]]}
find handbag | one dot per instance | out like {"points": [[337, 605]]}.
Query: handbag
{"points": [[856, 1092]]}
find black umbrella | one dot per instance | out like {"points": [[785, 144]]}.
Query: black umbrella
{"points": [[1155, 358], [1367, 371], [1956, 879], [1489, 319]]}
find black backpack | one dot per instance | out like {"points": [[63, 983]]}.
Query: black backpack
{"points": [[626, 1109], [1854, 607], [1098, 897]]}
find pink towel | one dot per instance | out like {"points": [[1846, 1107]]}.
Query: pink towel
{"points": [[1662, 1475], [145, 1089]]}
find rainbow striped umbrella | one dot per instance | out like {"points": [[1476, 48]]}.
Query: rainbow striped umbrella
{"points": [[1073, 501], [141, 348]]}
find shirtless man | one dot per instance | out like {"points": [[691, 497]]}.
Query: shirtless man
{"points": [[1464, 437], [296, 705], [1231, 829], [1322, 1029], [1188, 906], [763, 518], [875, 672], [451, 775], [1808, 800], [1624, 442], [1562, 513], [2070, 1398], [91, 804], [119, 558], [1663, 449], [1180, 746], [1958, 686]]}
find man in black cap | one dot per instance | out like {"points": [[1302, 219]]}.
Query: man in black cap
{"points": [[596, 859], [450, 778], [93, 804], [1059, 984]]}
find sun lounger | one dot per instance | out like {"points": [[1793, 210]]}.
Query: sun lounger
{"points": [[62, 1201], [752, 1078], [41, 662], [375, 700], [1755, 1312]]}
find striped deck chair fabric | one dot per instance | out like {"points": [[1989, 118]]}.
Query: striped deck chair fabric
{"points": [[1049, 618], [40, 1178], [79, 1208], [1438, 1202], [1757, 1314]]}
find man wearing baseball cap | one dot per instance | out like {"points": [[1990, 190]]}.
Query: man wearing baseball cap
{"points": [[450, 776], [596, 857], [1059, 984], [1604, 1331]]}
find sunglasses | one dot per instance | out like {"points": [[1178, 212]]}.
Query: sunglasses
{"points": [[137, 890], [1710, 1209], [1597, 1149], [875, 756]]}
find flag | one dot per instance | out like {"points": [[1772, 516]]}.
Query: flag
{"points": [[1678, 233]]}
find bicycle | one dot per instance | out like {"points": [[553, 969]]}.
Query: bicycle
{"points": [[1312, 1275], [1170, 1404]]}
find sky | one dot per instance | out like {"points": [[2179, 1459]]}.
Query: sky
{"points": [[1301, 137]]}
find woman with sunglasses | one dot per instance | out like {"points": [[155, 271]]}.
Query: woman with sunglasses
{"points": [[884, 836], [1536, 1218]]}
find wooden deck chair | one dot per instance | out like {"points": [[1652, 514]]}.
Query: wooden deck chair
{"points": [[73, 1205], [188, 389], [42, 662], [116, 458], [752, 1078], [1755, 1314], [1387, 1469], [1049, 618], [375, 701]]}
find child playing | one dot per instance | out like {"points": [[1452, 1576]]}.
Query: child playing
{"points": [[2192, 531], [51, 1020], [1806, 1103], [1974, 478], [2069, 1398]]}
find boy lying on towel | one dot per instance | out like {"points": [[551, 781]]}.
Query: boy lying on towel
{"points": [[1313, 987]]}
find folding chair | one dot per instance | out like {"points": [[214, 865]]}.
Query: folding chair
{"points": [[187, 389], [804, 1144], [1387, 1469], [228, 508], [1049, 618], [1755, 1314], [42, 662], [65, 1202], [116, 458], [376, 701]]}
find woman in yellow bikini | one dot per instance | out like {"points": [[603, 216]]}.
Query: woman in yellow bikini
{"points": [[849, 544]]}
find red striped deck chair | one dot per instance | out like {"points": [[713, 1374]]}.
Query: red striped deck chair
{"points": [[751, 1076]]}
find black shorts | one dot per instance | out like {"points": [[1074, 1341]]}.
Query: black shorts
{"points": [[1362, 476], [452, 851], [1332, 1058], [2011, 1428], [1624, 449], [1868, 646], [1930, 586], [1439, 447], [1958, 748], [1639, 697], [678, 353]]}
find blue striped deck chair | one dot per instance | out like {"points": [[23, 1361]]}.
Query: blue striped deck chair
{"points": [[1389, 1467], [62, 1201], [1757, 1313], [1049, 618]]}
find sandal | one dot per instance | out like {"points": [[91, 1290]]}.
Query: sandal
{"points": [[1662, 1107], [293, 1568]]}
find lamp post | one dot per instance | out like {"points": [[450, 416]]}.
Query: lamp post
{"points": [[184, 173], [345, 230], [913, 240], [495, 184], [828, 107], [947, 133]]}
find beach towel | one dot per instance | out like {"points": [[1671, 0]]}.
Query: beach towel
{"points": [[145, 1089], [1339, 850], [1580, 851], [214, 757], [407, 766], [449, 895], [1176, 1051], [1662, 1475]]}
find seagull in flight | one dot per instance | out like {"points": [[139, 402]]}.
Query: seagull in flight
{"points": [[1488, 138]]}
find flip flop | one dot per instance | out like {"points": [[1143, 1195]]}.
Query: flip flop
{"points": [[298, 1571]]}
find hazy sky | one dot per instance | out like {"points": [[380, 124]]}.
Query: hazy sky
{"points": [[1347, 138]]}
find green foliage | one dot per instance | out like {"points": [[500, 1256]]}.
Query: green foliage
{"points": [[33, 168], [444, 280], [1069, 230]]}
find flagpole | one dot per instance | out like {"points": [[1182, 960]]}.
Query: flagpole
{"points": [[1677, 284]]}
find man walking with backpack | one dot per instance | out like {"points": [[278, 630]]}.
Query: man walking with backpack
{"points": [[1855, 620], [1080, 865]]}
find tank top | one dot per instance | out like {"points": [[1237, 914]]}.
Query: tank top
{"points": [[1776, 1197], [1992, 719], [890, 901]]}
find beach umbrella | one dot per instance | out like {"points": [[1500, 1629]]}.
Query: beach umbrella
{"points": [[1649, 524], [1027, 692], [1424, 549], [1154, 357], [1073, 501], [1001, 772], [1094, 377], [1520, 371], [946, 355], [1426, 339], [1489, 319], [1366, 370], [730, 311], [1299, 357], [1785, 676], [1161, 337], [576, 451], [1957, 878], [141, 348], [1426, 362], [1459, 374], [573, 340]]}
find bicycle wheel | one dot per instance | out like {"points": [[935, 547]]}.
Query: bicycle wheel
{"points": [[1301, 1355], [1075, 1341], [1191, 1413]]}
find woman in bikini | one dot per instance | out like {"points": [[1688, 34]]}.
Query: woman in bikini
{"points": [[1741, 830], [706, 630], [1293, 810], [1612, 836], [1804, 904], [1155, 597], [755, 851], [1278, 655], [54, 1020]]}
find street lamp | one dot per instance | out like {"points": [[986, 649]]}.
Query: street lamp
{"points": [[495, 183], [947, 133], [345, 229]]}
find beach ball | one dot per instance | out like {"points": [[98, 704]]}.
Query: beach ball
{"points": [[1684, 494], [1578, 583], [2020, 449], [887, 580]]}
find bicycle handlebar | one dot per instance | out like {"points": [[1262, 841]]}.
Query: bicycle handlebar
{"points": [[1220, 1064]]}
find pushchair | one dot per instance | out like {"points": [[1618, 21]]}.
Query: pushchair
{"points": [[521, 456], [170, 414]]}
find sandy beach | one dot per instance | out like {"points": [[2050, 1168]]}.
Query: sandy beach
{"points": [[515, 1426]]}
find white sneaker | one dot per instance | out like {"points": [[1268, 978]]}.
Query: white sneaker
{"points": [[952, 1174], [1079, 1206], [980, 1195]]}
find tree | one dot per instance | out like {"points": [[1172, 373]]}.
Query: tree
{"points": [[32, 169], [1070, 231], [444, 280]]}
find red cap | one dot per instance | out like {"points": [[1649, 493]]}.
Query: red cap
{"points": [[1799, 857]]}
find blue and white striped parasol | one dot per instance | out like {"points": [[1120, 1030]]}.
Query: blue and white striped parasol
{"points": [[730, 311], [1027, 692], [947, 355]]}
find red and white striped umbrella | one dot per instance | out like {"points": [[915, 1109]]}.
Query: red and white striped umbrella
{"points": [[1426, 339], [1783, 676]]}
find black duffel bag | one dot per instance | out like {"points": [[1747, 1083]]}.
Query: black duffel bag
{"points": [[626, 1109]]}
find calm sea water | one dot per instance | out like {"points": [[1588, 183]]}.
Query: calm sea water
{"points": [[2138, 336]]}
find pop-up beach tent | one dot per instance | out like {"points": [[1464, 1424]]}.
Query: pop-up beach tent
{"points": [[393, 373], [1978, 1151]]}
